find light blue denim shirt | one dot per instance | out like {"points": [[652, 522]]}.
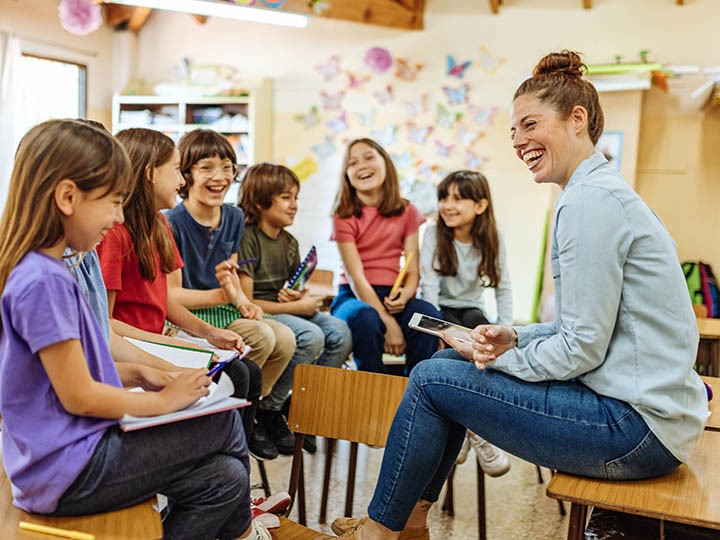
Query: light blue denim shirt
{"points": [[624, 323]]}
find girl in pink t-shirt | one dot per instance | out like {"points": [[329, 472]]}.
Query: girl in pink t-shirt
{"points": [[373, 226]]}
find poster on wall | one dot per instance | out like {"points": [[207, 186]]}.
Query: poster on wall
{"points": [[610, 145]]}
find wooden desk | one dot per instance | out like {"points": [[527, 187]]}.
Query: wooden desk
{"points": [[713, 423], [709, 349], [690, 494]]}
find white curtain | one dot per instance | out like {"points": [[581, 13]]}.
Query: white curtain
{"points": [[11, 109]]}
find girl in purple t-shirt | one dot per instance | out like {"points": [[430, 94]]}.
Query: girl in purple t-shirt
{"points": [[60, 391], [373, 225]]}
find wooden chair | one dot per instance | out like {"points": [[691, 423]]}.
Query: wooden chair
{"points": [[139, 522], [690, 494], [713, 422], [343, 404]]}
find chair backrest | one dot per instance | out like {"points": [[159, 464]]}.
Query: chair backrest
{"points": [[344, 404]]}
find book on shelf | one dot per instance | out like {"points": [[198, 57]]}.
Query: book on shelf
{"points": [[303, 272]]}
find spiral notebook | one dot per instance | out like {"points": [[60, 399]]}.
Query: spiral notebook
{"points": [[303, 272]]}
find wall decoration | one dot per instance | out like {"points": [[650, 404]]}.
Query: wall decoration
{"points": [[319, 7], [405, 71], [305, 168], [466, 138], [482, 116], [454, 69], [378, 60], [418, 135], [473, 161], [273, 5], [442, 149], [401, 161], [610, 145], [385, 137], [357, 82], [414, 108], [446, 118], [79, 17], [456, 96], [309, 120], [325, 149], [488, 62], [384, 96], [330, 69], [339, 124], [246, 3], [366, 118], [332, 102]]}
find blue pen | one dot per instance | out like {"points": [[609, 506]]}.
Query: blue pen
{"points": [[218, 367], [247, 261]]}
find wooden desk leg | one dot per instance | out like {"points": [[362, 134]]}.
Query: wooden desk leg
{"points": [[578, 519], [482, 525], [352, 468], [715, 358], [329, 448]]}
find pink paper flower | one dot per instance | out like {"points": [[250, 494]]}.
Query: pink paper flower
{"points": [[378, 60], [79, 16]]}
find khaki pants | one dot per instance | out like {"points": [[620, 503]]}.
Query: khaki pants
{"points": [[273, 346]]}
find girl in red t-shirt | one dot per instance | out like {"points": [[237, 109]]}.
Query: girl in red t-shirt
{"points": [[373, 226]]}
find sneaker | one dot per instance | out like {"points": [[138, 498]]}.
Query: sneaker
{"points": [[260, 531], [310, 444], [277, 430], [275, 504], [493, 461], [260, 445], [345, 528], [268, 521], [464, 451]]}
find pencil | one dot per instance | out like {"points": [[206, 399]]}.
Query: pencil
{"points": [[76, 535], [401, 276]]}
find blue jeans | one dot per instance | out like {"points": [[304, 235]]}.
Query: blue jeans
{"points": [[368, 329], [321, 339], [562, 425], [200, 464]]}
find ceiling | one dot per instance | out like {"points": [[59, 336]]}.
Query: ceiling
{"points": [[404, 14]]}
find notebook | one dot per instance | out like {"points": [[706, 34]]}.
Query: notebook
{"points": [[303, 272], [180, 356], [219, 399]]}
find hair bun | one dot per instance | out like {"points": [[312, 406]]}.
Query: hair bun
{"points": [[563, 63]]}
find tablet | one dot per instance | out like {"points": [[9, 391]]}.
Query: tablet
{"points": [[431, 325]]}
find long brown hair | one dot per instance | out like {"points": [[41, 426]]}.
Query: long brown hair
{"points": [[474, 186], [147, 149], [558, 81], [347, 202], [50, 152], [260, 184]]}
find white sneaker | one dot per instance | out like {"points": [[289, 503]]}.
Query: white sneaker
{"points": [[464, 450], [259, 532], [493, 461]]}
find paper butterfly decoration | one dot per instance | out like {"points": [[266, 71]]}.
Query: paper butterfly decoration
{"points": [[443, 149], [446, 118], [418, 135], [339, 124], [332, 102], [466, 138], [324, 149], [456, 70], [385, 137], [405, 71], [482, 115], [401, 160], [319, 7], [330, 69], [425, 170], [384, 96], [357, 82], [488, 62], [309, 120], [456, 96], [415, 108], [473, 161], [366, 119], [273, 5]]}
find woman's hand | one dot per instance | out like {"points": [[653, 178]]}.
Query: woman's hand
{"points": [[397, 304], [185, 389], [491, 341], [462, 347], [394, 339]]}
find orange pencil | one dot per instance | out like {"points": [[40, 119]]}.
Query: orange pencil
{"points": [[401, 276]]}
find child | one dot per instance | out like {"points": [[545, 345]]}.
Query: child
{"points": [[269, 198], [208, 233], [136, 257], [61, 445], [373, 225], [460, 256]]}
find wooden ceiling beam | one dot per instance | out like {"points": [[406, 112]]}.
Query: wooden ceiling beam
{"points": [[138, 18], [115, 14], [202, 19], [495, 6], [587, 4], [405, 14], [680, 2]]}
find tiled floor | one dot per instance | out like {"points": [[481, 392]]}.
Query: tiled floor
{"points": [[517, 507]]}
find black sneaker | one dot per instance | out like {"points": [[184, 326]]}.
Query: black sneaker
{"points": [[277, 430], [260, 445], [310, 444]]}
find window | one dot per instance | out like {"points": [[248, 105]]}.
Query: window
{"points": [[52, 88]]}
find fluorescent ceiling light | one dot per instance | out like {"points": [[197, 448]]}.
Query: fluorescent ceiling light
{"points": [[215, 8]]}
